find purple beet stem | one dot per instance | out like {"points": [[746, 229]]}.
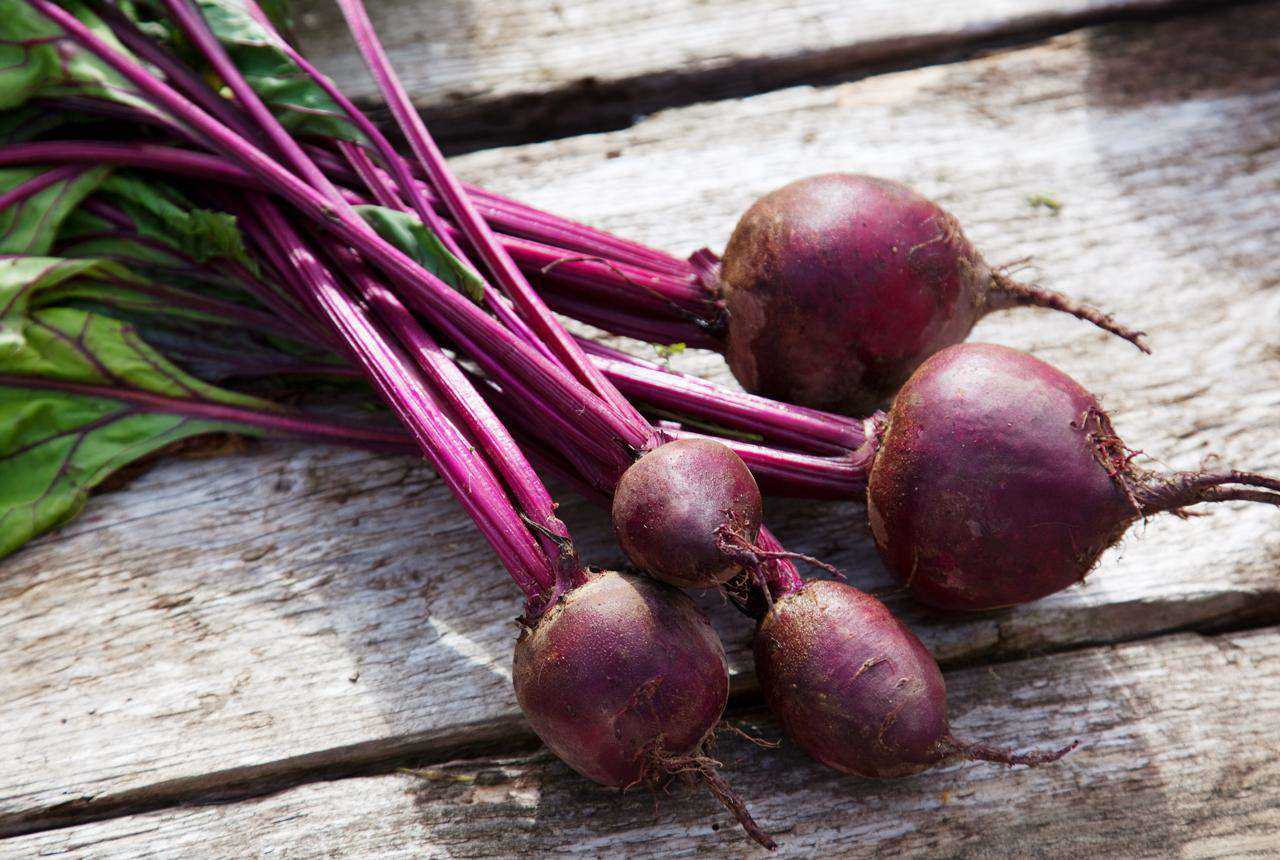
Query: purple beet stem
{"points": [[36, 184], [410, 396], [282, 423], [420, 287], [476, 229], [539, 225], [456, 200], [606, 281], [400, 169], [509, 276], [456, 390], [468, 475]]}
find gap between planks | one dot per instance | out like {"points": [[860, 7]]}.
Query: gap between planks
{"points": [[459, 744], [500, 110], [1176, 759]]}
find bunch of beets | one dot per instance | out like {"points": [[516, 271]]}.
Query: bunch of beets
{"points": [[199, 227]]}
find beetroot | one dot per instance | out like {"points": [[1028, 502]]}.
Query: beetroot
{"points": [[682, 511], [621, 674], [856, 689], [1000, 480], [838, 286], [625, 680]]}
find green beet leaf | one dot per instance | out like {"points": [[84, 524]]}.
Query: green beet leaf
{"points": [[295, 99], [32, 225], [36, 62], [409, 234], [31, 283], [82, 396], [162, 213]]}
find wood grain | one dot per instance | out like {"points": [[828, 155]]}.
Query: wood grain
{"points": [[293, 609], [486, 71], [1179, 759]]}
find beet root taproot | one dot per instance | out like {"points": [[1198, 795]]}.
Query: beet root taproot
{"points": [[838, 286], [688, 512], [856, 689], [1000, 480]]}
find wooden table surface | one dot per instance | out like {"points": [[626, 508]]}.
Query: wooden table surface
{"points": [[300, 651]]}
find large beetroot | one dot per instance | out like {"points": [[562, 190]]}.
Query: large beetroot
{"points": [[839, 285], [1000, 480]]}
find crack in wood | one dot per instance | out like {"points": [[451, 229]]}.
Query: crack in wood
{"points": [[385, 755], [496, 738], [590, 105]]}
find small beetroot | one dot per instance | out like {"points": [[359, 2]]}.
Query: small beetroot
{"points": [[620, 673], [838, 286], [856, 689], [1000, 480], [684, 511], [625, 680]]}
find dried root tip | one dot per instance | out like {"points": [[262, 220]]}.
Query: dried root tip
{"points": [[738, 548], [1156, 493], [982, 752], [1008, 293], [750, 592], [763, 743], [1237, 494], [699, 767]]}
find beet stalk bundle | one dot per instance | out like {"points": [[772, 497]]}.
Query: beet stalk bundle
{"points": [[678, 533]]}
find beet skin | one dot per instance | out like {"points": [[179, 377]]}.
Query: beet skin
{"points": [[620, 677], [1000, 480], [850, 684], [674, 508], [990, 487], [855, 689], [838, 286]]}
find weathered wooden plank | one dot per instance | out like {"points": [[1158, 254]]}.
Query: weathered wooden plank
{"points": [[515, 68], [1179, 759], [211, 615]]}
